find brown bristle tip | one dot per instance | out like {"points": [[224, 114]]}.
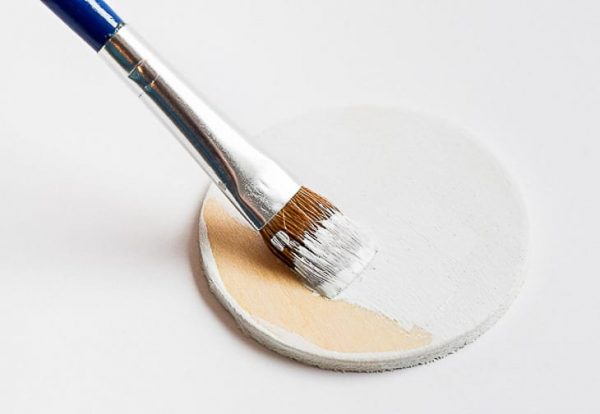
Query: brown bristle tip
{"points": [[319, 243]]}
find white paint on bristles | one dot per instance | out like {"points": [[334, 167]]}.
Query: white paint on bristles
{"points": [[331, 256]]}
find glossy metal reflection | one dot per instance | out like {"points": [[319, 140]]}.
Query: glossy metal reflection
{"points": [[257, 186]]}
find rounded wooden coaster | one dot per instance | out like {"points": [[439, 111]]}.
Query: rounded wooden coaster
{"points": [[449, 224]]}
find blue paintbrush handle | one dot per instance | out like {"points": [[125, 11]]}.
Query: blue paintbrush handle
{"points": [[93, 20]]}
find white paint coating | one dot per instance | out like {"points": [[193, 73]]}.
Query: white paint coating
{"points": [[449, 223]]}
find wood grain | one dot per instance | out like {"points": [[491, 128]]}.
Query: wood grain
{"points": [[269, 291]]}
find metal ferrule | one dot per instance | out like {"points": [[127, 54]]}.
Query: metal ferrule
{"points": [[255, 184]]}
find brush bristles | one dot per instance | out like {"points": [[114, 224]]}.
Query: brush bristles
{"points": [[321, 245]]}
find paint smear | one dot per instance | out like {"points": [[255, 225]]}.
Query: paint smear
{"points": [[267, 290]]}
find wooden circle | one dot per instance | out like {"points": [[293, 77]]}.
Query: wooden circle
{"points": [[449, 223]]}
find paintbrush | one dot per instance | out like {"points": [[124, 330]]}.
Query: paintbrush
{"points": [[308, 233]]}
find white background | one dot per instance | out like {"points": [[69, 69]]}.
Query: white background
{"points": [[102, 306]]}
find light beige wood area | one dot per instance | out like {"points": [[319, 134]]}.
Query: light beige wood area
{"points": [[267, 290]]}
